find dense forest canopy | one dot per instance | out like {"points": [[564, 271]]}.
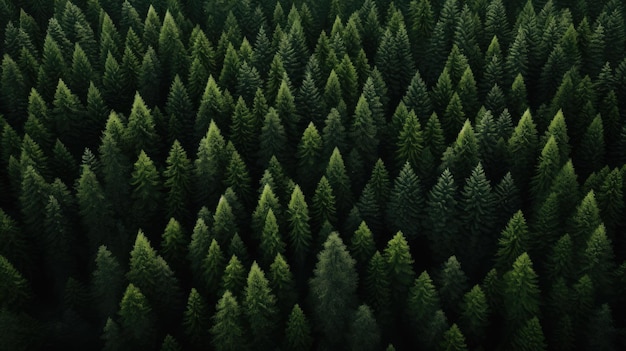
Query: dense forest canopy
{"points": [[300, 175]]}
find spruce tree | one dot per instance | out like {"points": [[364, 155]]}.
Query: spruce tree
{"points": [[333, 290], [259, 307], [298, 332], [228, 329]]}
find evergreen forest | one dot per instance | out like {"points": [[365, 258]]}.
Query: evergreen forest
{"points": [[313, 175]]}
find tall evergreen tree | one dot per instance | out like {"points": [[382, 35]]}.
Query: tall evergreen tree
{"points": [[228, 330], [333, 289]]}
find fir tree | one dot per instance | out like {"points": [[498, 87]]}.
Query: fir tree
{"points": [[227, 330], [298, 331], [333, 289]]}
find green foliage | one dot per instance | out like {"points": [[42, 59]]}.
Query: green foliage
{"points": [[259, 307], [333, 289], [227, 330], [298, 331]]}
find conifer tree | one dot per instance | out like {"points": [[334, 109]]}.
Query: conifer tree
{"points": [[149, 272], [140, 132], [529, 337], [364, 331], [14, 290], [107, 283], [462, 156], [521, 293], [309, 153], [228, 330], [338, 179], [298, 331], [146, 185], [323, 204], [177, 181], [300, 239], [136, 319], [400, 265], [453, 340], [196, 319], [479, 212], [474, 314], [273, 139], [523, 144], [442, 216], [333, 289], [259, 307], [404, 211], [282, 284], [208, 165]]}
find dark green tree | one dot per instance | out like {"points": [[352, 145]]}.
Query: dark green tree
{"points": [[259, 307], [177, 182], [400, 265], [521, 293], [529, 337], [298, 332], [174, 245], [196, 319], [137, 322], [228, 330], [453, 340], [146, 185], [478, 214], [474, 317], [364, 331], [442, 216], [333, 290]]}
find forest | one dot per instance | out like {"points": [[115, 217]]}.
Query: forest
{"points": [[313, 175]]}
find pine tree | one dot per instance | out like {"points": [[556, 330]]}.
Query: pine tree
{"points": [[462, 156], [171, 49], [323, 204], [474, 316], [442, 216], [52, 69], [259, 307], [591, 152], [523, 144], [453, 340], [514, 240], [267, 201], [271, 241], [334, 134], [529, 337], [107, 283], [338, 179], [150, 273], [547, 168], [94, 209], [362, 246], [364, 332], [585, 220], [410, 142], [300, 238], [521, 293], [66, 115], [309, 154], [599, 260], [146, 185], [208, 165], [273, 139], [227, 330], [479, 213], [177, 182], [224, 222], [140, 132], [14, 290], [150, 77], [282, 284], [196, 319], [400, 265], [298, 331], [173, 245], [136, 319], [333, 289]]}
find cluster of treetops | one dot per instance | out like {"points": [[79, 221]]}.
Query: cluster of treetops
{"points": [[363, 175]]}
